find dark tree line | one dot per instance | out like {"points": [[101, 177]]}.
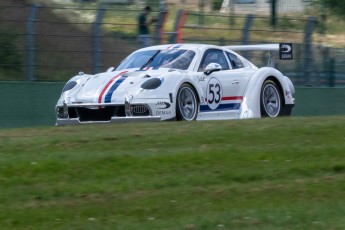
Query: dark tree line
{"points": [[338, 6], [10, 59]]}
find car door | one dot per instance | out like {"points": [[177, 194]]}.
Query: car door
{"points": [[223, 89]]}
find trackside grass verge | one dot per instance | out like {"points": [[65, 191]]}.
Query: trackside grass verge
{"points": [[285, 173]]}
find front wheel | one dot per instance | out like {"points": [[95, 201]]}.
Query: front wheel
{"points": [[270, 99], [186, 103]]}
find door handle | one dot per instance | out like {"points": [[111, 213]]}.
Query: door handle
{"points": [[235, 82]]}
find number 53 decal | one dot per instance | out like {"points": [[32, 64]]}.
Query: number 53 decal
{"points": [[214, 93]]}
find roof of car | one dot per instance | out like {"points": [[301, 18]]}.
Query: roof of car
{"points": [[179, 46]]}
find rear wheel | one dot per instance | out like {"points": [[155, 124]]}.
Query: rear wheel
{"points": [[186, 103], [270, 99]]}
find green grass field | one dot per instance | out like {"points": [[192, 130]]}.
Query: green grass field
{"points": [[285, 173]]}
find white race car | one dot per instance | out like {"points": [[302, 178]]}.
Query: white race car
{"points": [[178, 82]]}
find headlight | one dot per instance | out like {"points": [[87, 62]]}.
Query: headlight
{"points": [[70, 85], [152, 83]]}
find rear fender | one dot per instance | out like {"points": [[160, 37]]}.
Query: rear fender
{"points": [[251, 102]]}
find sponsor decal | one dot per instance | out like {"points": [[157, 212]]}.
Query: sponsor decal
{"points": [[288, 94], [162, 105], [203, 100], [163, 112], [285, 51], [201, 78]]}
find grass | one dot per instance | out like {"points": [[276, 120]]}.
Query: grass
{"points": [[286, 173]]}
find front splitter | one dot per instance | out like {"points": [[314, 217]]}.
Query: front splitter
{"points": [[76, 121]]}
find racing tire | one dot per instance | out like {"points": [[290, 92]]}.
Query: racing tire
{"points": [[186, 103], [286, 110], [270, 99]]}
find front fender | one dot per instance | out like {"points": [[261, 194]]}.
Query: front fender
{"points": [[80, 79], [172, 83]]}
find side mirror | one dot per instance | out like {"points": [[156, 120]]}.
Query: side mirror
{"points": [[212, 67], [111, 69]]}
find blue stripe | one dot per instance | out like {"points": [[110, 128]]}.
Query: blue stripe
{"points": [[177, 46], [221, 107], [107, 98]]}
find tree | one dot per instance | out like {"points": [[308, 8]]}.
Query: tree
{"points": [[10, 59], [336, 5]]}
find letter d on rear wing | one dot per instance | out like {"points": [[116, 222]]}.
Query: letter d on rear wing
{"points": [[285, 50]]}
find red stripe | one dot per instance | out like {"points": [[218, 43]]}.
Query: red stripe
{"points": [[108, 84], [169, 47], [232, 98]]}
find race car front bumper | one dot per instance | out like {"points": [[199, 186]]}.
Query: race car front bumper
{"points": [[82, 113], [76, 121]]}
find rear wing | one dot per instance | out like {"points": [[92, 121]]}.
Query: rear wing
{"points": [[285, 50]]}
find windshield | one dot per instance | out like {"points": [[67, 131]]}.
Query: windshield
{"points": [[170, 58]]}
